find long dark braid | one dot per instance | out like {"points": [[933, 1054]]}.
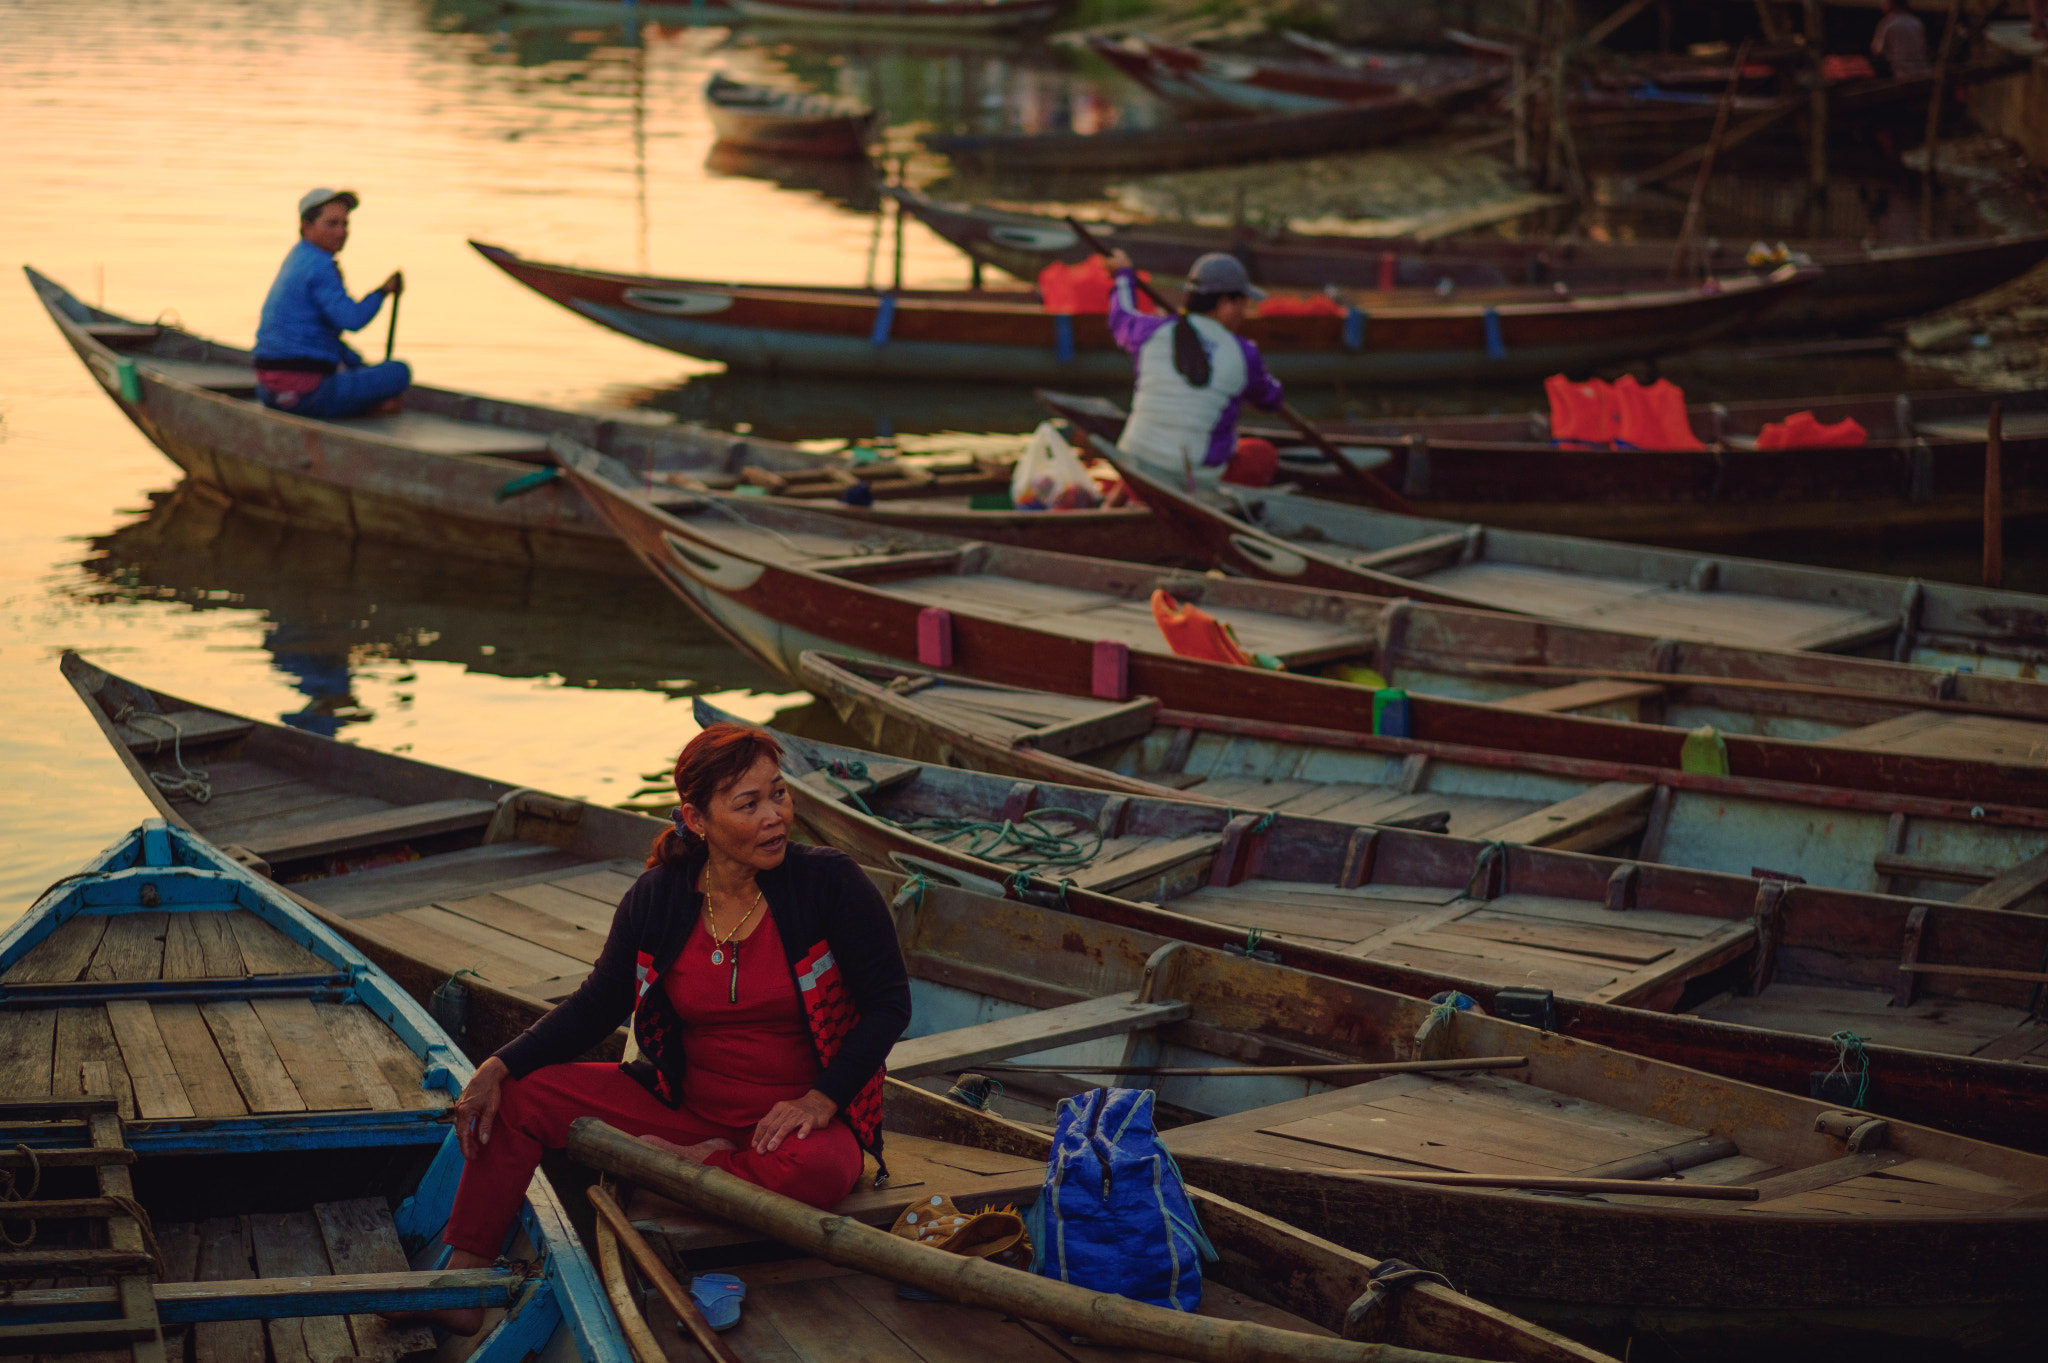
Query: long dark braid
{"points": [[1190, 356]]}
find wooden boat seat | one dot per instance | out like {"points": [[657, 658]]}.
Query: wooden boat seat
{"points": [[432, 433], [1886, 1183], [1125, 862], [211, 374], [1585, 695], [1945, 1026], [1660, 609], [918, 1168], [292, 841], [2012, 426], [120, 334], [222, 1255], [1597, 818], [1399, 556], [189, 729], [1029, 1033], [882, 775], [1941, 733], [226, 1058]]}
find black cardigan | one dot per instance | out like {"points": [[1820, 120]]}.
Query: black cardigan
{"points": [[817, 896]]}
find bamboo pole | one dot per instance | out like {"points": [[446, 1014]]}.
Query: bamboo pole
{"points": [[1932, 143], [1106, 1319], [1711, 1192], [1994, 497], [611, 1218], [1484, 1062], [646, 1348], [1697, 202], [1817, 112]]}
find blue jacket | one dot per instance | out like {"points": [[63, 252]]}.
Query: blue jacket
{"points": [[308, 309]]}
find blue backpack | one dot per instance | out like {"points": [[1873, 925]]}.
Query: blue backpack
{"points": [[1113, 1215]]}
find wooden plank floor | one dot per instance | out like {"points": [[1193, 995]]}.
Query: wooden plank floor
{"points": [[358, 1236], [1488, 1124], [1576, 948], [1942, 1025], [222, 1059], [1656, 608]]}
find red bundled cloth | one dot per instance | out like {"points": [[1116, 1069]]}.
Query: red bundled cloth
{"points": [[1301, 305], [1652, 418], [1805, 429], [1253, 463], [1071, 290]]}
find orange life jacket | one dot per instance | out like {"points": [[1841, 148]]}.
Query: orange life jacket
{"points": [[1192, 632]]}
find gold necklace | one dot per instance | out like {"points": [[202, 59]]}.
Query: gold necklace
{"points": [[719, 948]]}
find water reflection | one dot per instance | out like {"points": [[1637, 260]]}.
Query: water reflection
{"points": [[329, 607]]}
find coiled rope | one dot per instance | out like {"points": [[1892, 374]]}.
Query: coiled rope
{"points": [[1026, 843], [190, 782]]}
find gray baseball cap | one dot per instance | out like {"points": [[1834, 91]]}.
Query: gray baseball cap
{"points": [[1220, 273], [313, 199]]}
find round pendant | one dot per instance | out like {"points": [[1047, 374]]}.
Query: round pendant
{"points": [[718, 958]]}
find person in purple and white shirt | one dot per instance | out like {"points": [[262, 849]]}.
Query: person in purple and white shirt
{"points": [[1194, 371]]}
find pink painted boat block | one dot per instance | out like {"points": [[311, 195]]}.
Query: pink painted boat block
{"points": [[1111, 677], [935, 637]]}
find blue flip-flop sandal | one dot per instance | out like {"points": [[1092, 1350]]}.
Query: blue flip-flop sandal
{"points": [[718, 1296]]}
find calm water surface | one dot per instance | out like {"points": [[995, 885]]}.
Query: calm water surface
{"points": [[151, 154]]}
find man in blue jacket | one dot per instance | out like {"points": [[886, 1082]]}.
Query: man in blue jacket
{"points": [[302, 364]]}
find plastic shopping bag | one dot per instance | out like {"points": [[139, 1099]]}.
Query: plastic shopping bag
{"points": [[1050, 476]]}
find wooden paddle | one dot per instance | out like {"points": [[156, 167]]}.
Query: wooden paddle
{"points": [[1367, 486], [391, 336]]}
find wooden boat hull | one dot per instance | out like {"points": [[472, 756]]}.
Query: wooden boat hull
{"points": [[1657, 1268], [1199, 81], [1860, 286], [1311, 542], [277, 1092], [1923, 486], [966, 335], [1210, 142], [774, 607], [923, 16], [1772, 1043], [786, 123]]}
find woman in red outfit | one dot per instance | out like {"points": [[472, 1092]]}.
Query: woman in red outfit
{"points": [[765, 987]]}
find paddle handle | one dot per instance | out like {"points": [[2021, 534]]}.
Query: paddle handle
{"points": [[1367, 486], [658, 1276], [391, 336]]}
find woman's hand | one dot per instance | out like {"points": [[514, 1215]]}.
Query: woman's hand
{"points": [[798, 1118], [1117, 260], [394, 285], [477, 1108]]}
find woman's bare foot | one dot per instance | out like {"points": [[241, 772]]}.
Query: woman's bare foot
{"points": [[695, 1154], [458, 1320]]}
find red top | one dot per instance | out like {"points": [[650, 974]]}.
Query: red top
{"points": [[740, 1059]]}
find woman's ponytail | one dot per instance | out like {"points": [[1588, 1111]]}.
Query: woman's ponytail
{"points": [[1190, 356]]}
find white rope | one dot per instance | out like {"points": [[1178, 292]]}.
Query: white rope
{"points": [[190, 782]]}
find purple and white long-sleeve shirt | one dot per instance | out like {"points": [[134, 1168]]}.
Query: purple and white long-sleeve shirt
{"points": [[1174, 424]]}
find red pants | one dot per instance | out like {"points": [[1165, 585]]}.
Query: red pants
{"points": [[534, 1115]]}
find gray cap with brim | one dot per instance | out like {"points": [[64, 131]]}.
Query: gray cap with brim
{"points": [[314, 199], [1221, 273]]}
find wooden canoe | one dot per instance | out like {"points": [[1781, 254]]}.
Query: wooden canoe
{"points": [[1920, 478], [786, 122], [801, 1306], [265, 1114], [1861, 284], [777, 582], [968, 334], [1866, 841], [925, 16], [1722, 972], [1315, 542], [432, 475], [1186, 143], [1197, 81], [1943, 1232]]}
